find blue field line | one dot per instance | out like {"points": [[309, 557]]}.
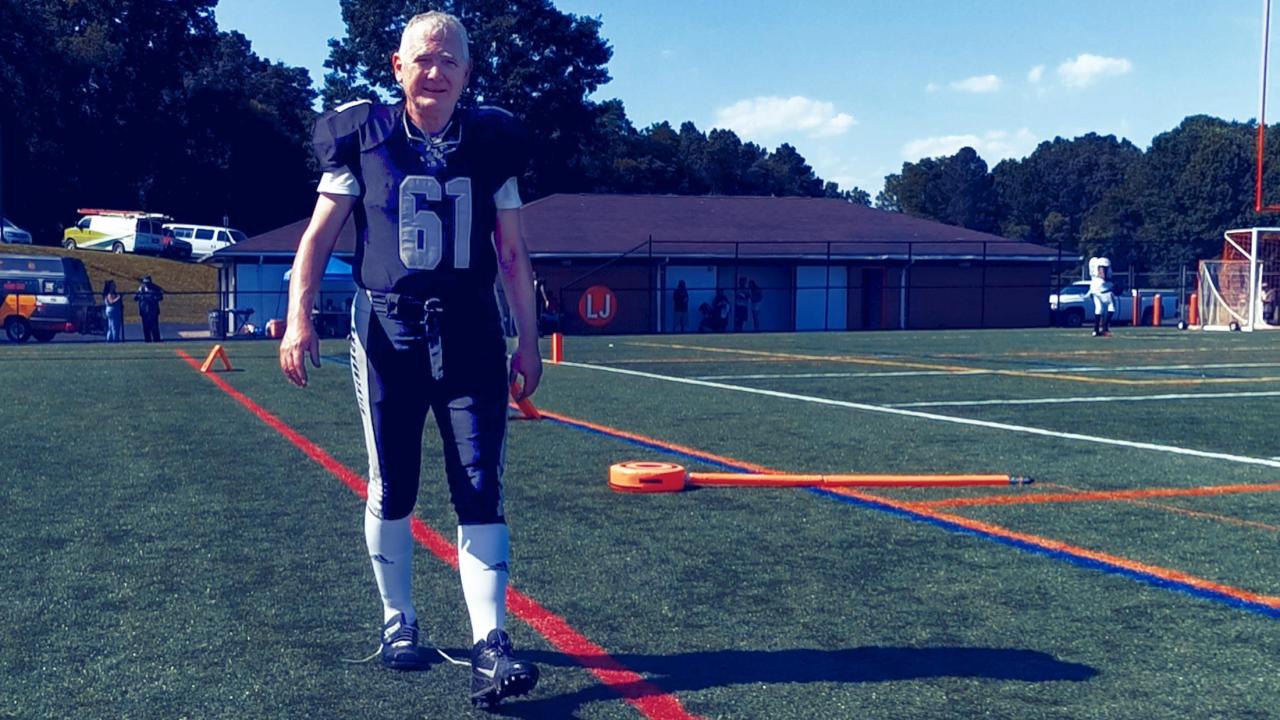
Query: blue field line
{"points": [[1084, 562], [1077, 560]]}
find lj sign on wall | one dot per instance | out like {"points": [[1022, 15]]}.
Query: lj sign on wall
{"points": [[598, 306]]}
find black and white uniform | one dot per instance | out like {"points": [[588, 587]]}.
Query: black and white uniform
{"points": [[426, 329]]}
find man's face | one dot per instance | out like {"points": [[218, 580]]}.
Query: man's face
{"points": [[430, 68]]}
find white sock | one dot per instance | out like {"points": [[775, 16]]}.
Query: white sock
{"points": [[390, 546], [482, 565]]}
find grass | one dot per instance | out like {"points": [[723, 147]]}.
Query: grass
{"points": [[191, 289], [166, 554]]}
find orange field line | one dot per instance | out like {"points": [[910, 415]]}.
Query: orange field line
{"points": [[1098, 495]]}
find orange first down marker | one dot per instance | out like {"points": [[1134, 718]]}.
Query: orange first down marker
{"points": [[651, 477], [217, 353]]}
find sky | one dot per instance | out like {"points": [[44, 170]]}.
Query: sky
{"points": [[859, 87]]}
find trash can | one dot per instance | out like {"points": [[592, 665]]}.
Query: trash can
{"points": [[217, 328]]}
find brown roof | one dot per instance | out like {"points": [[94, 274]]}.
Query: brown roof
{"points": [[710, 226]]}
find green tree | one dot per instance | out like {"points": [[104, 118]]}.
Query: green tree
{"points": [[956, 190]]}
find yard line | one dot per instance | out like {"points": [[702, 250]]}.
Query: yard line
{"points": [[1155, 575], [1087, 399], [1058, 435], [987, 371], [957, 369], [1098, 495], [651, 700]]}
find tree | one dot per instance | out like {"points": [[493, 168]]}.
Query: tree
{"points": [[956, 190]]}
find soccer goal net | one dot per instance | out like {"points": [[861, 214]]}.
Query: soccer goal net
{"points": [[1239, 290]]}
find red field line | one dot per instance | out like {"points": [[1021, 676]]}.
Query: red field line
{"points": [[1097, 495], [651, 700]]}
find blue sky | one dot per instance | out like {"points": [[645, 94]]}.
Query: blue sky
{"points": [[860, 86]]}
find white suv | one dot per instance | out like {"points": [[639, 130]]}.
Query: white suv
{"points": [[205, 239]]}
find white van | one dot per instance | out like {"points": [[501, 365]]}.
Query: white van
{"points": [[205, 239], [117, 231]]}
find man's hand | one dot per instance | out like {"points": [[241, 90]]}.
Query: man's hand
{"points": [[300, 339], [526, 364]]}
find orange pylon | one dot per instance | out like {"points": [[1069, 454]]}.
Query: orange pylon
{"points": [[217, 353]]}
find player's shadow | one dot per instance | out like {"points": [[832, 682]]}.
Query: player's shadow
{"points": [[703, 670]]}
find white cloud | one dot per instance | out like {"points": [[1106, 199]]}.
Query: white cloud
{"points": [[992, 146], [767, 117], [1085, 69], [932, 87], [1034, 75], [977, 84]]}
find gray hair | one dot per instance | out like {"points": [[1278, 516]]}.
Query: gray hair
{"points": [[438, 21]]}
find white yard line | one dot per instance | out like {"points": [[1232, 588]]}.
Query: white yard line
{"points": [[1172, 449]]}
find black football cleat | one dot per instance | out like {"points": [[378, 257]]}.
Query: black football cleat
{"points": [[495, 674], [400, 649]]}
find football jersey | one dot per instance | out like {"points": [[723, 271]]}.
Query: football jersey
{"points": [[426, 214]]}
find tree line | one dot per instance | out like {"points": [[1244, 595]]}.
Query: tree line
{"points": [[1162, 209], [147, 104]]}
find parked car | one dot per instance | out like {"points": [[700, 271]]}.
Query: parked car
{"points": [[174, 247], [11, 233], [42, 295], [117, 231], [205, 239], [1071, 306]]}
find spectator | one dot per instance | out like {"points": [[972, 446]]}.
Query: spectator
{"points": [[680, 303], [148, 298], [113, 310], [757, 296], [720, 306], [741, 301]]}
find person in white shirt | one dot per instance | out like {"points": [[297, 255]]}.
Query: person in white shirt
{"points": [[1100, 288]]}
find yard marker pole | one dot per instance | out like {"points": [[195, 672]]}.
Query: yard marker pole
{"points": [[718, 479], [557, 348]]}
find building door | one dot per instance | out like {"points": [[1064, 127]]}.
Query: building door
{"points": [[821, 297], [872, 298]]}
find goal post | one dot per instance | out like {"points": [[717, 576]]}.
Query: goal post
{"points": [[1238, 290]]}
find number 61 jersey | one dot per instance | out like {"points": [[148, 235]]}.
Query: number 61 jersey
{"points": [[427, 212]]}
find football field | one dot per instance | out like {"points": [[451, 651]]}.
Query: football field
{"points": [[184, 545]]}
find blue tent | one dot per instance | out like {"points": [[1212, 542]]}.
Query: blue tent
{"points": [[337, 270]]}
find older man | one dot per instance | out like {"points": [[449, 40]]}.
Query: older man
{"points": [[433, 190]]}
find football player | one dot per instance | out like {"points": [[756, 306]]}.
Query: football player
{"points": [[1100, 289], [432, 188]]}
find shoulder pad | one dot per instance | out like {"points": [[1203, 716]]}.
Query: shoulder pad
{"points": [[352, 128]]}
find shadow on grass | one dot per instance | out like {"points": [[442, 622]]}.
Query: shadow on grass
{"points": [[704, 670]]}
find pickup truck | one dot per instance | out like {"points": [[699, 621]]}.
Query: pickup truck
{"points": [[1071, 306]]}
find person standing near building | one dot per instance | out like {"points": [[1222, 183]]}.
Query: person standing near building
{"points": [[148, 297], [1101, 290], [433, 190], [757, 297], [113, 311], [680, 306], [741, 301]]}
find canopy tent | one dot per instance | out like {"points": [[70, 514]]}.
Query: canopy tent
{"points": [[337, 271]]}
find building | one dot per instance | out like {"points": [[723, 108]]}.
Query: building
{"points": [[610, 263]]}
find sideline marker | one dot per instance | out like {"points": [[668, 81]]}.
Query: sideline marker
{"points": [[557, 348], [526, 405], [217, 353]]}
